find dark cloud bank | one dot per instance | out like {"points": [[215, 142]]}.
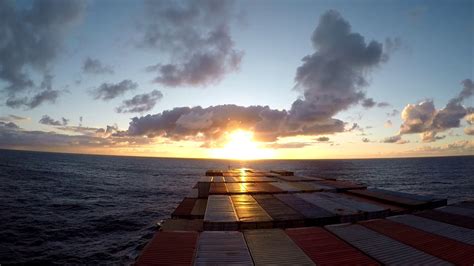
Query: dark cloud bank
{"points": [[31, 38]]}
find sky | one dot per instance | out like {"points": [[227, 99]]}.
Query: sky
{"points": [[238, 79]]}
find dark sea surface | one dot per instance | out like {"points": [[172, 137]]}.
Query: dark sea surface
{"points": [[64, 208]]}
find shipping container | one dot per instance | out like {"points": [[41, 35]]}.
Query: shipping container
{"points": [[274, 247], [282, 214], [372, 211], [199, 209], [430, 200], [236, 188], [465, 204], [220, 214], [382, 248], [313, 214], [341, 185], [282, 172], [184, 208], [345, 213], [443, 229], [449, 218], [222, 248], [394, 209], [325, 248], [251, 214], [457, 210], [447, 249], [182, 225], [285, 186], [389, 198], [169, 248], [218, 189]]}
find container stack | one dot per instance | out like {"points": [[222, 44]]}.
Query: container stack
{"points": [[250, 217]]}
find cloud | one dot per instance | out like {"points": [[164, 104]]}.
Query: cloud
{"points": [[424, 118], [383, 104], [47, 94], [394, 112], [32, 37], [331, 80], [109, 91], [369, 103], [333, 77], [46, 120], [395, 139], [8, 125], [322, 139], [94, 66], [457, 147], [470, 121], [388, 124], [288, 145], [13, 137], [140, 103], [365, 140], [196, 36], [11, 118]]}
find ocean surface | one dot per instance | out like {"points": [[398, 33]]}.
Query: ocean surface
{"points": [[64, 208]]}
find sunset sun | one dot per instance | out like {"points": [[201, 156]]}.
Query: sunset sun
{"points": [[241, 145]]}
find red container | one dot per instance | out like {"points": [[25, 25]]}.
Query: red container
{"points": [[325, 248], [169, 248], [184, 209], [444, 248]]}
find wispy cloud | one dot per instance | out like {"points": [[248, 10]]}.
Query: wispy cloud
{"points": [[140, 103], [47, 120], [95, 66], [109, 91]]}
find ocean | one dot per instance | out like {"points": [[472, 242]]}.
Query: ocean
{"points": [[67, 209]]}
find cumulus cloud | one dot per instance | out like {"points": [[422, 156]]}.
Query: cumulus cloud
{"points": [[109, 91], [470, 120], [47, 120], [32, 37], [388, 124], [425, 119], [140, 103], [333, 77], [196, 36], [365, 140], [95, 66]]}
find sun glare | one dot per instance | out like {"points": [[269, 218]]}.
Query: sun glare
{"points": [[241, 146]]}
